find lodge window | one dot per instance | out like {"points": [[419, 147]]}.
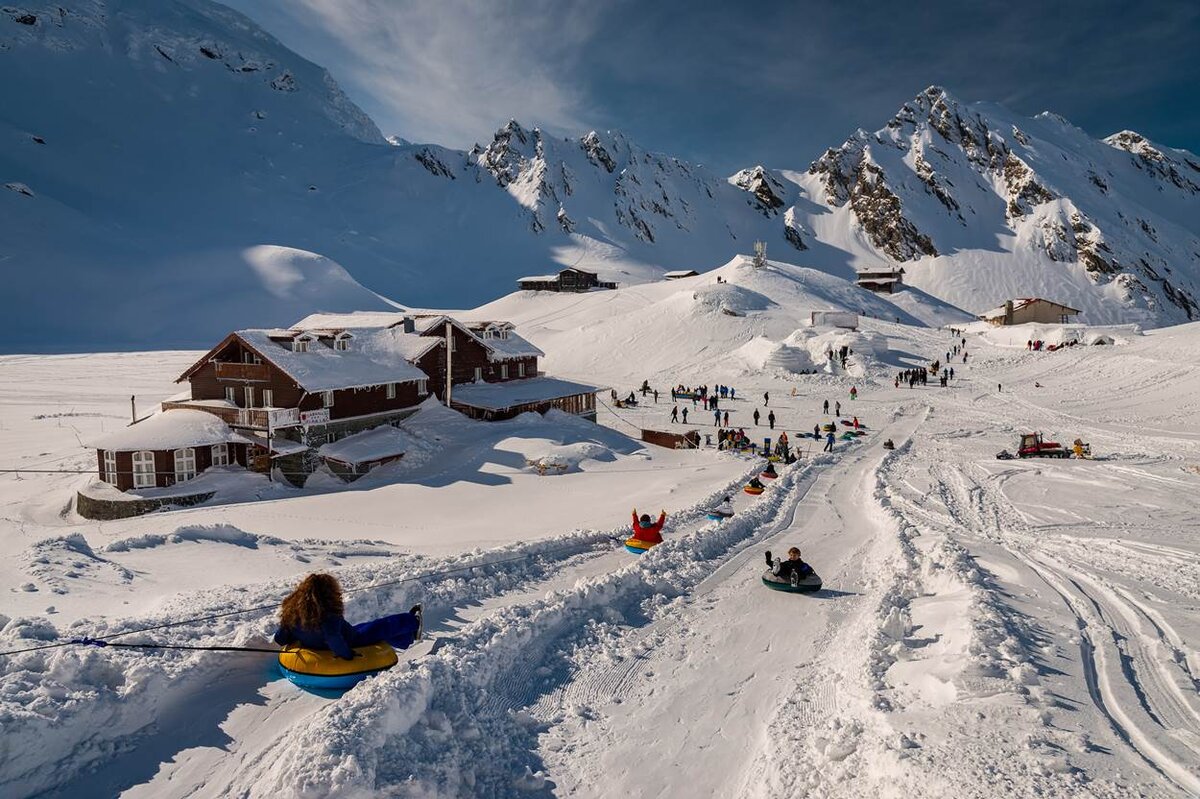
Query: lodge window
{"points": [[250, 357], [110, 467], [220, 454], [341, 344], [391, 390], [503, 371], [422, 387], [300, 345], [249, 393], [268, 398], [478, 374], [231, 395], [185, 464], [143, 469], [327, 399], [520, 369]]}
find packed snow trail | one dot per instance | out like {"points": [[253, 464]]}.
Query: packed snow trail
{"points": [[725, 657]]}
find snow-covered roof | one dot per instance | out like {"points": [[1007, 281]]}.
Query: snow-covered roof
{"points": [[678, 273], [376, 356], [868, 278], [171, 429], [538, 278], [353, 319], [510, 346], [510, 393], [369, 445]]}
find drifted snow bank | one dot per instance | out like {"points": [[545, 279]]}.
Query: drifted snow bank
{"points": [[806, 350], [453, 725], [1017, 335]]}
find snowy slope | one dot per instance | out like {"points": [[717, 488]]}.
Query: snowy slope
{"points": [[182, 135], [981, 205]]}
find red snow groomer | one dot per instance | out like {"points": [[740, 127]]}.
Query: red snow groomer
{"points": [[1034, 446]]}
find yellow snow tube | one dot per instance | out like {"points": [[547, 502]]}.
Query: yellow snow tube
{"points": [[323, 663]]}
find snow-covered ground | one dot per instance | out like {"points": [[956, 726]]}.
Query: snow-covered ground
{"points": [[987, 627]]}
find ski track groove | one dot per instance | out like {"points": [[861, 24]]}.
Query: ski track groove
{"points": [[1109, 643]]}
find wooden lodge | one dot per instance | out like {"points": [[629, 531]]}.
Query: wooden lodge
{"points": [[571, 279], [1029, 309], [881, 281], [280, 399]]}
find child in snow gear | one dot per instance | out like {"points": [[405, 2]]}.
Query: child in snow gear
{"points": [[769, 472], [312, 617], [853, 392], [889, 444], [722, 511], [648, 531], [829, 439], [793, 569]]}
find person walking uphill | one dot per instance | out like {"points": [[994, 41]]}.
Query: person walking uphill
{"points": [[675, 414], [766, 398], [313, 617]]}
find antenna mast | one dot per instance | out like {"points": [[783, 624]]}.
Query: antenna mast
{"points": [[760, 254]]}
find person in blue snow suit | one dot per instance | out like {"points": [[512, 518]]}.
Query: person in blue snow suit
{"points": [[312, 616], [829, 438]]}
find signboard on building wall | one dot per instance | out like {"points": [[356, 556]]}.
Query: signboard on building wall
{"points": [[318, 416]]}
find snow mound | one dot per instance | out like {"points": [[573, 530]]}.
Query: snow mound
{"points": [[730, 299]]}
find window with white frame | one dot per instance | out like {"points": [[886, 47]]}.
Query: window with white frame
{"points": [[503, 371], [268, 398], [231, 395], [422, 387], [220, 454], [249, 392], [110, 467], [520, 368], [143, 469], [341, 344], [300, 345], [185, 464], [327, 399], [478, 374], [391, 390]]}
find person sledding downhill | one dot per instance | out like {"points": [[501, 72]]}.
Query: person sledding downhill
{"points": [[755, 486], [645, 532], [769, 473], [321, 650], [722, 511], [792, 575]]}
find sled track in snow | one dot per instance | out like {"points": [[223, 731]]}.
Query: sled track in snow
{"points": [[1138, 675]]}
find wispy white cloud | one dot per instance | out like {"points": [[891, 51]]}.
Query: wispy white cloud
{"points": [[448, 71]]}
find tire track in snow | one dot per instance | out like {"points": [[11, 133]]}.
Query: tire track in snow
{"points": [[1123, 673]]}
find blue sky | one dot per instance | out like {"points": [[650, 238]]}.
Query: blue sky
{"points": [[735, 84]]}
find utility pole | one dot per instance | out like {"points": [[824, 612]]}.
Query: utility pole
{"points": [[449, 357], [133, 408]]}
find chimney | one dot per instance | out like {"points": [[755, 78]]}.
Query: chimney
{"points": [[1008, 312], [409, 325]]}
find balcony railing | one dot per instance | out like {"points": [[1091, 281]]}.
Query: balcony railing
{"points": [[253, 372], [257, 418]]}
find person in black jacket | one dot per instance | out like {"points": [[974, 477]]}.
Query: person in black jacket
{"points": [[794, 565]]}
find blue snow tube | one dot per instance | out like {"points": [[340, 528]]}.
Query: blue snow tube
{"points": [[805, 585], [323, 670]]}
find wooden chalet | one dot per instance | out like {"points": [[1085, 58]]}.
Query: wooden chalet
{"points": [[881, 281], [1029, 309], [680, 274], [298, 398], [571, 279]]}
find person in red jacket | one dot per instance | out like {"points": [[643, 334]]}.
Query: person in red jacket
{"points": [[645, 530]]}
